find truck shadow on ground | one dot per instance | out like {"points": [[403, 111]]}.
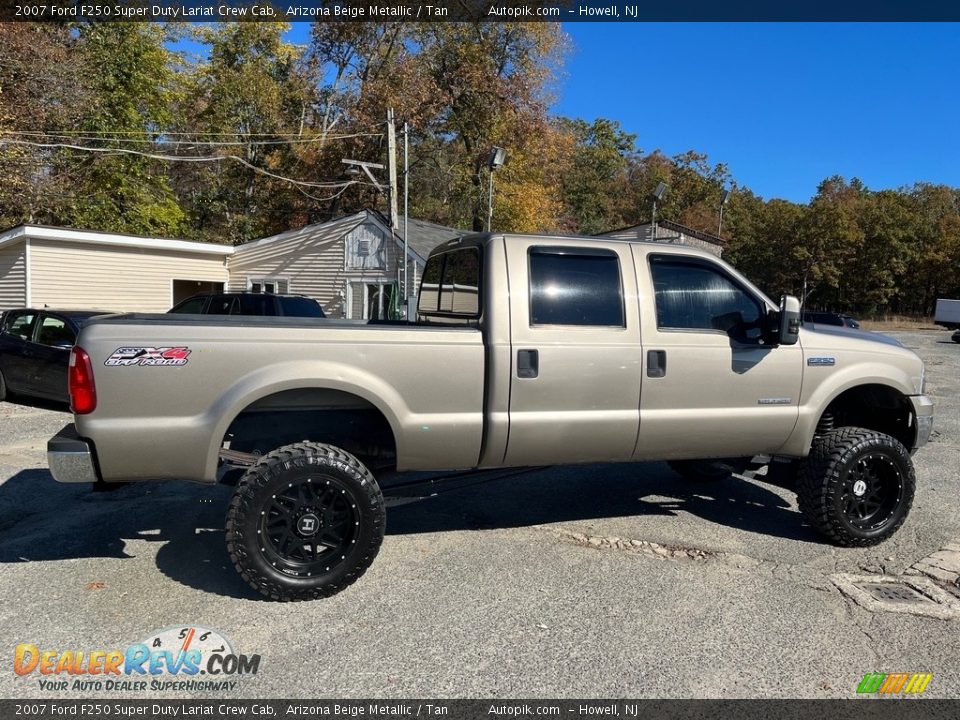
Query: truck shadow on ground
{"points": [[42, 520], [587, 492], [182, 523]]}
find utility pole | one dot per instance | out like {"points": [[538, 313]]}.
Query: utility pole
{"points": [[406, 212], [392, 168]]}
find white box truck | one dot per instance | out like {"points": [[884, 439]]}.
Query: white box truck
{"points": [[947, 313]]}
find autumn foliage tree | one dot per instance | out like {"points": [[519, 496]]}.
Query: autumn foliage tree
{"points": [[43, 88]]}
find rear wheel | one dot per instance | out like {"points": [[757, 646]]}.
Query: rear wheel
{"points": [[856, 487], [305, 522]]}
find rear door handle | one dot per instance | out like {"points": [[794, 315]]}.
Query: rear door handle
{"points": [[528, 363], [656, 363]]}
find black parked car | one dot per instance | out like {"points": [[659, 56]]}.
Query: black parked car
{"points": [[829, 318], [956, 336], [250, 304], [35, 349]]}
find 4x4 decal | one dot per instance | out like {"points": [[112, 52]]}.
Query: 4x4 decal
{"points": [[152, 356]]}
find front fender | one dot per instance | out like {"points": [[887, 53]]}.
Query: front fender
{"points": [[818, 392]]}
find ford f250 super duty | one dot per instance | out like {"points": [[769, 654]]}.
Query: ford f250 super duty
{"points": [[526, 351]]}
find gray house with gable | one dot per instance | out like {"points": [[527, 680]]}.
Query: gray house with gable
{"points": [[351, 265]]}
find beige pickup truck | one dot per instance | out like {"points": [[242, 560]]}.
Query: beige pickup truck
{"points": [[526, 351]]}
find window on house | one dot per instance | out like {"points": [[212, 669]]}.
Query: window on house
{"points": [[269, 286], [366, 248]]}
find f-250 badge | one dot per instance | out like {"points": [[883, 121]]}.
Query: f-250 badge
{"points": [[152, 356]]}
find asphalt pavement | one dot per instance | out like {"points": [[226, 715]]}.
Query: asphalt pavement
{"points": [[590, 581]]}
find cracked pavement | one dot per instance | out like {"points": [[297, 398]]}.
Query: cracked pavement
{"points": [[590, 581]]}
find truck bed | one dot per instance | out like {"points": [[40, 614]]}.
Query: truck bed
{"points": [[222, 366]]}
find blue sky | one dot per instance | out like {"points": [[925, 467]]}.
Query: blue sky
{"points": [[783, 105]]}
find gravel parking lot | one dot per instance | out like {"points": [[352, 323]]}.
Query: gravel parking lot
{"points": [[593, 581]]}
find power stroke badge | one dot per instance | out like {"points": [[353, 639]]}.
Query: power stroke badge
{"points": [[150, 356]]}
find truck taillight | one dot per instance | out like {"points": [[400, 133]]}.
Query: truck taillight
{"points": [[83, 393]]}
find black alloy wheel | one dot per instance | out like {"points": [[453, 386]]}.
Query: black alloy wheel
{"points": [[305, 522], [873, 489], [856, 487], [308, 527]]}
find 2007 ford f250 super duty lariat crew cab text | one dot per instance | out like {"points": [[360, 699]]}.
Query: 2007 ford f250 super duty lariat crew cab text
{"points": [[526, 351]]}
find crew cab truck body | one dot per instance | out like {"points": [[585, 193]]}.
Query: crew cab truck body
{"points": [[527, 350]]}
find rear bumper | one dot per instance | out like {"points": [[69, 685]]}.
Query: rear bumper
{"points": [[70, 458], [923, 415]]}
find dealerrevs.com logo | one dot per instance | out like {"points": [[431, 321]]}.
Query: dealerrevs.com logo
{"points": [[178, 658]]}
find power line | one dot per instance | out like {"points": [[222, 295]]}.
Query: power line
{"points": [[185, 158], [155, 135]]}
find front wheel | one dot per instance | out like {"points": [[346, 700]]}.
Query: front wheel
{"points": [[856, 487], [305, 522]]}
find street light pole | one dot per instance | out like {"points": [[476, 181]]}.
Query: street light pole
{"points": [[490, 203], [406, 204], [498, 156], [724, 196], [658, 194]]}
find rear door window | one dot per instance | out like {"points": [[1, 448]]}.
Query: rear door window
{"points": [[575, 286], [55, 332], [257, 305], [300, 307]]}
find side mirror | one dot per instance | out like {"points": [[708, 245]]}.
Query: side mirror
{"points": [[789, 320]]}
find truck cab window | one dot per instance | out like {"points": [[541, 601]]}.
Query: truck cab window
{"points": [[460, 291], [691, 295], [574, 286], [430, 285], [450, 286]]}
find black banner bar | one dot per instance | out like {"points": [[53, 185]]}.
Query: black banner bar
{"points": [[474, 10], [494, 709]]}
